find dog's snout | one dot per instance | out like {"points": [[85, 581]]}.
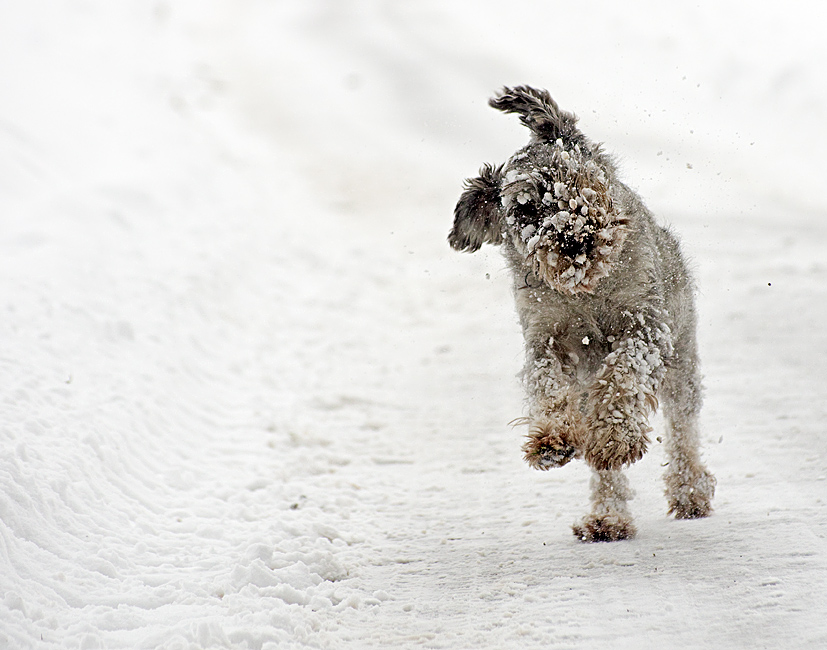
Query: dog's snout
{"points": [[572, 245]]}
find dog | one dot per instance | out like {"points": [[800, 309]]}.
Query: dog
{"points": [[606, 305]]}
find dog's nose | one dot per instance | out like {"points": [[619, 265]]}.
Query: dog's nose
{"points": [[571, 245]]}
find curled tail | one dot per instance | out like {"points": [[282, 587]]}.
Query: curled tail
{"points": [[539, 112]]}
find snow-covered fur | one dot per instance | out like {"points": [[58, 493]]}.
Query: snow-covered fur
{"points": [[607, 309]]}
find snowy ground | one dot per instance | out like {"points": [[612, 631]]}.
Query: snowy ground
{"points": [[250, 399]]}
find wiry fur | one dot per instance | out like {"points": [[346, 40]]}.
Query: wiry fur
{"points": [[607, 309]]}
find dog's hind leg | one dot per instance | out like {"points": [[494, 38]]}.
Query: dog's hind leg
{"points": [[689, 485], [610, 519]]}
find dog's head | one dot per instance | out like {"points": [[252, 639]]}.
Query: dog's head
{"points": [[554, 199]]}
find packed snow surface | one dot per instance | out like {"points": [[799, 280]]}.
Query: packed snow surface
{"points": [[251, 399]]}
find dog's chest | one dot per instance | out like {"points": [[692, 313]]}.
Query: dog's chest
{"points": [[579, 329]]}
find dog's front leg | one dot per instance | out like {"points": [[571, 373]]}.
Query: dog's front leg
{"points": [[554, 421], [624, 393]]}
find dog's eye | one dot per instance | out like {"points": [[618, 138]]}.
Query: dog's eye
{"points": [[525, 212]]}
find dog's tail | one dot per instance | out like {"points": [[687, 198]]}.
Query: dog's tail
{"points": [[539, 112]]}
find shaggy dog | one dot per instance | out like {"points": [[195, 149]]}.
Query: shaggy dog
{"points": [[607, 311]]}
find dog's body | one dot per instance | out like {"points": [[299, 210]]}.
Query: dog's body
{"points": [[607, 310]]}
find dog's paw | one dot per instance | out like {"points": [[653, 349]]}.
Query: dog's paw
{"points": [[615, 445], [606, 527], [547, 448], [547, 454], [692, 498]]}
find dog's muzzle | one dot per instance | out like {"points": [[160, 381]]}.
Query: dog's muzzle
{"points": [[561, 216]]}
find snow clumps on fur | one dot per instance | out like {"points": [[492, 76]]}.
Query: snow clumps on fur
{"points": [[561, 215]]}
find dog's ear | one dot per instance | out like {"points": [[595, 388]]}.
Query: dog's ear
{"points": [[538, 111], [478, 214]]}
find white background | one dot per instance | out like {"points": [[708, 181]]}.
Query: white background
{"points": [[250, 399]]}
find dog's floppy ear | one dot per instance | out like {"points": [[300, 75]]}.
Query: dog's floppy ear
{"points": [[478, 214], [538, 111]]}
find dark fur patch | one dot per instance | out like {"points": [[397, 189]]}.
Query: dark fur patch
{"points": [[478, 213], [539, 112]]}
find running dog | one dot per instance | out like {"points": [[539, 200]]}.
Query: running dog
{"points": [[606, 305]]}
